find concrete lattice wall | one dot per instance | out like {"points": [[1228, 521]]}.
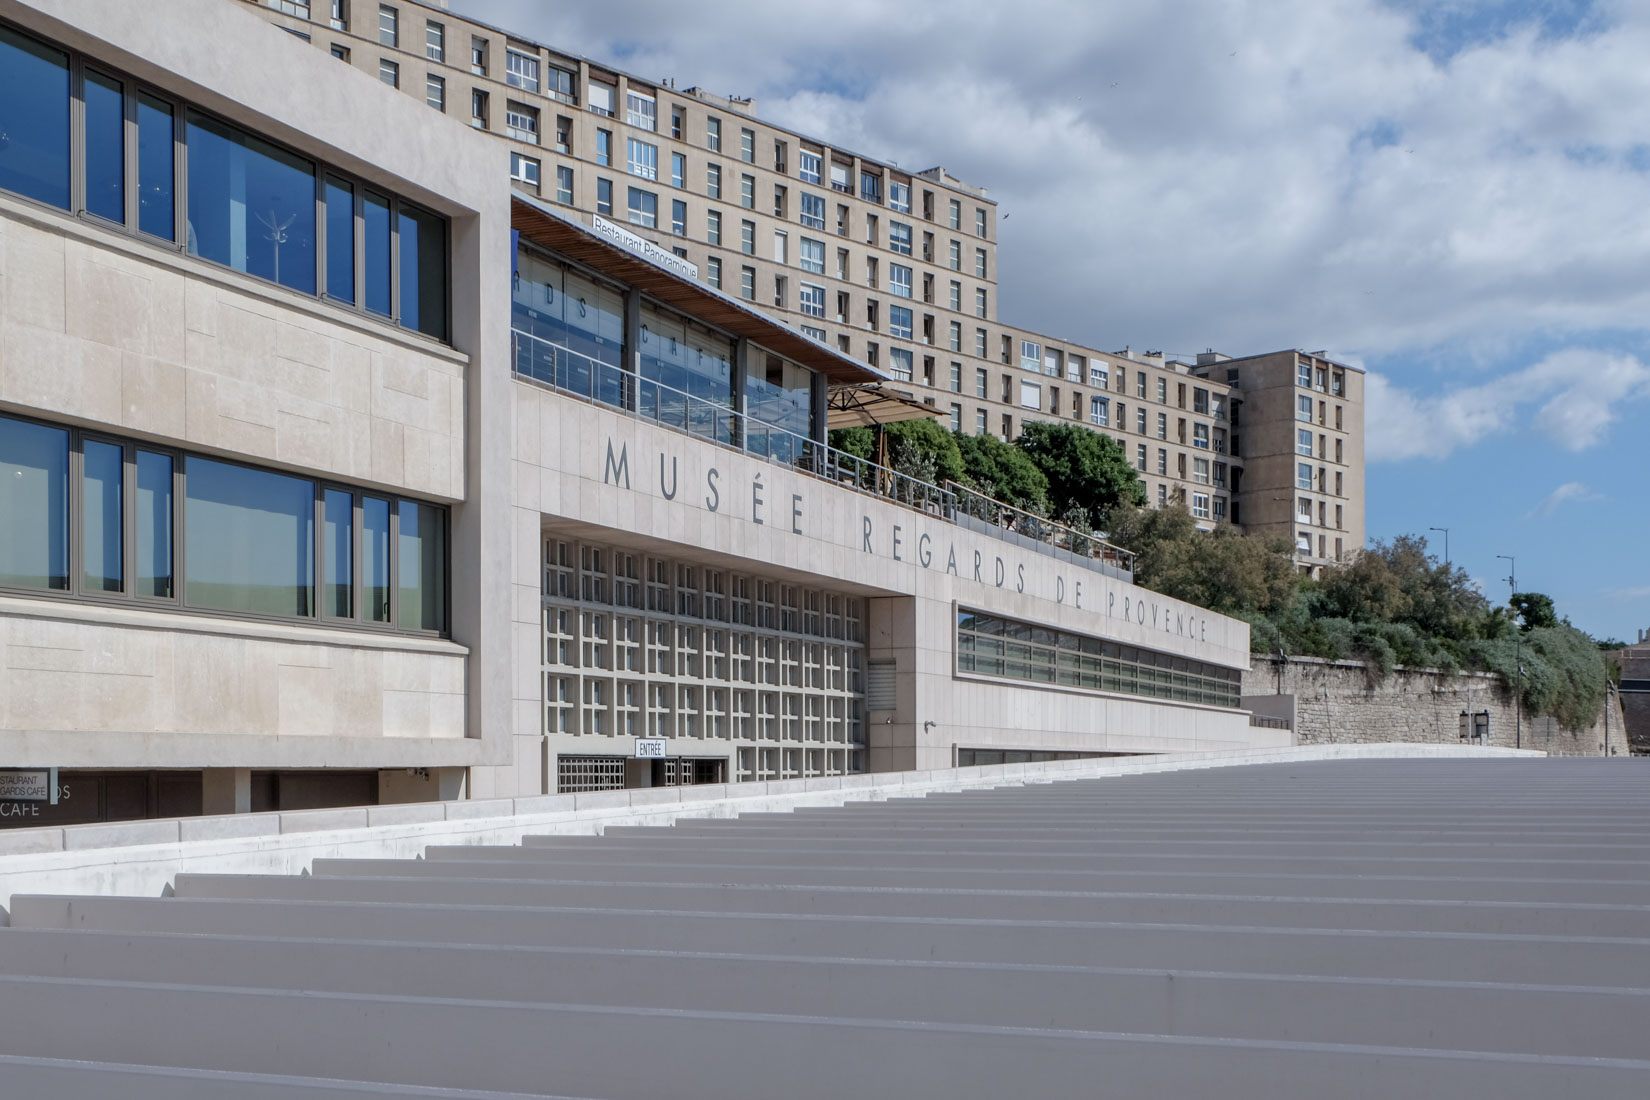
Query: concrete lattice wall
{"points": [[1337, 702]]}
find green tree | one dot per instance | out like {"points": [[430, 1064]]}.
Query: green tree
{"points": [[1085, 469], [918, 448], [1233, 574], [1534, 610], [1003, 472]]}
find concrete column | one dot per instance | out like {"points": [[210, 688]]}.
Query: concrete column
{"points": [[741, 367], [632, 346], [226, 791], [819, 408]]}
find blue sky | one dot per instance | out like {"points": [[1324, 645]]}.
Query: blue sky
{"points": [[1452, 194]]}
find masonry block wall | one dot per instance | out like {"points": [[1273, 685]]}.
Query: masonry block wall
{"points": [[1337, 702]]}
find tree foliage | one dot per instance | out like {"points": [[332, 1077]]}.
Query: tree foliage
{"points": [[1086, 470], [1534, 610], [1004, 472]]}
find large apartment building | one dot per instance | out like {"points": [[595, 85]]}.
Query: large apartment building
{"points": [[895, 268]]}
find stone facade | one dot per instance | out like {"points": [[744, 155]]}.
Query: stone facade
{"points": [[1338, 702]]}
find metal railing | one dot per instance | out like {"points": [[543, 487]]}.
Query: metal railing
{"points": [[1028, 525], [584, 376]]}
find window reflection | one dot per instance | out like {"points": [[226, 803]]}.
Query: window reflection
{"points": [[34, 499], [249, 540], [105, 147], [154, 524], [100, 512], [340, 240], [156, 150], [251, 205], [423, 552], [376, 245], [423, 250], [338, 527], [375, 559], [34, 116]]}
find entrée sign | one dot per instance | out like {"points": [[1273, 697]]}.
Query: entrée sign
{"points": [[921, 548]]}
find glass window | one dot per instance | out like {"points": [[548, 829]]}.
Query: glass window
{"points": [[154, 524], [423, 556], [375, 210], [34, 498], [102, 550], [251, 205], [337, 543], [340, 240], [643, 159], [813, 211], [249, 539], [423, 272], [899, 238], [643, 208], [105, 147], [34, 116], [375, 559], [155, 168]]}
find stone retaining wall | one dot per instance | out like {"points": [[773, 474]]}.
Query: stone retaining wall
{"points": [[1337, 702]]}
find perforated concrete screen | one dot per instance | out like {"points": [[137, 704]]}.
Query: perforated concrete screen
{"points": [[1423, 928]]}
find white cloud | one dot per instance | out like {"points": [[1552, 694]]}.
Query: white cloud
{"points": [[1568, 492], [1575, 395], [1640, 593], [1200, 172]]}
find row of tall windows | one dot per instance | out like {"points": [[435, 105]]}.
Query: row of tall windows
{"points": [[178, 176], [103, 518]]}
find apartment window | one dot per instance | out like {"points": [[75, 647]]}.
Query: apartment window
{"points": [[478, 109], [780, 201], [642, 158], [781, 246], [842, 264], [714, 272], [558, 84], [899, 197], [1140, 457], [1303, 509], [870, 187], [956, 376], [982, 382], [1051, 363], [1031, 395], [1220, 474], [713, 134], [641, 110], [478, 56], [870, 229], [954, 214], [340, 15], [1303, 475], [979, 263], [1303, 408], [1322, 379], [340, 52], [564, 185], [807, 166], [435, 92], [524, 169], [521, 121], [956, 417], [779, 159], [713, 181], [747, 192], [747, 145], [811, 300], [1099, 411], [979, 342], [956, 336], [521, 70], [870, 271], [1303, 373], [1162, 461], [1338, 456], [1200, 470], [1338, 425], [1338, 484], [604, 197], [899, 363], [389, 72], [1322, 450], [899, 322], [747, 282], [1200, 436], [811, 256], [1220, 508], [813, 211], [871, 314], [779, 291], [1140, 421], [979, 222], [713, 227], [841, 220], [899, 280], [1200, 505], [435, 41], [678, 120], [747, 237], [389, 26], [603, 97], [899, 238], [1122, 417], [678, 169], [1339, 516], [817, 333], [1139, 383], [604, 148], [1303, 442], [981, 421], [1031, 356], [1162, 391], [678, 217], [980, 302]]}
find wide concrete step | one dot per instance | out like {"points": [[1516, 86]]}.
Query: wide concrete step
{"points": [[1416, 888], [1475, 956], [1513, 918], [630, 1054], [49, 1077]]}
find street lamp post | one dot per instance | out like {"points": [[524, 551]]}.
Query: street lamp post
{"points": [[1518, 661], [1445, 530]]}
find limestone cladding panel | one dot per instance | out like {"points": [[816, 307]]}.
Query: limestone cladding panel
{"points": [[177, 676], [168, 349]]}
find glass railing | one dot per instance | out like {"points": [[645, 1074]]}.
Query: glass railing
{"points": [[584, 376]]}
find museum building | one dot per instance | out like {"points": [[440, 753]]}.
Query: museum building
{"points": [[335, 473]]}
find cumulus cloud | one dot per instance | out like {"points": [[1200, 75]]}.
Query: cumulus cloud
{"points": [[1568, 492], [1371, 177], [1572, 397]]}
